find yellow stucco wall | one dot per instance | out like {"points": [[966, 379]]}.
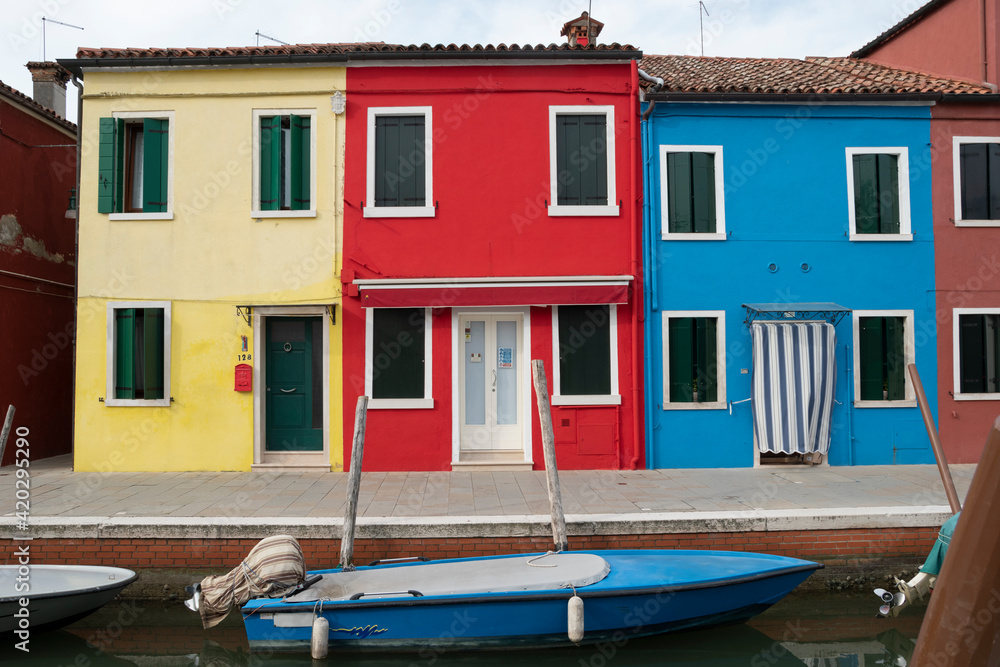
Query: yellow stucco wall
{"points": [[211, 257]]}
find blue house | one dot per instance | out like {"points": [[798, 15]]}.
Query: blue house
{"points": [[789, 261]]}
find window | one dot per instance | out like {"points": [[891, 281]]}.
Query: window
{"points": [[878, 193], [400, 165], [284, 150], [692, 193], [581, 160], [977, 181], [694, 360], [134, 166], [883, 349], [398, 364], [977, 348], [585, 349], [138, 353]]}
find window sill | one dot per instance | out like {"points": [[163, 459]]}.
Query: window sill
{"points": [[400, 403], [137, 403], [977, 223], [706, 236], [977, 397], [141, 216], [566, 211], [907, 403], [399, 212], [604, 399], [881, 237], [311, 213], [715, 405]]}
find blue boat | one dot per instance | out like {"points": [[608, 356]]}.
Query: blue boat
{"points": [[523, 600]]}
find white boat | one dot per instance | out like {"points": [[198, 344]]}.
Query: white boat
{"points": [[55, 595]]}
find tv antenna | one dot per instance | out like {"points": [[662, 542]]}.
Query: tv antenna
{"points": [[273, 39], [701, 27], [44, 21]]}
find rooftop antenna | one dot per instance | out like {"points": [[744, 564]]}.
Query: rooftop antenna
{"points": [[44, 21], [701, 27], [273, 39]]}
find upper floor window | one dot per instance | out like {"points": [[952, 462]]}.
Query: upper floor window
{"points": [[878, 191], [977, 181], [977, 351], [284, 146], [135, 165], [582, 160], [400, 162], [692, 191]]}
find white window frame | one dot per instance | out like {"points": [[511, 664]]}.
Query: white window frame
{"points": [[956, 354], [909, 348], [903, 167], [610, 209], [721, 401], [720, 199], [256, 211], [957, 174], [110, 367], [171, 134], [614, 398], [398, 403], [426, 211]]}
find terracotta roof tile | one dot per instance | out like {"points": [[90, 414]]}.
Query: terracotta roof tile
{"points": [[832, 76], [17, 96]]}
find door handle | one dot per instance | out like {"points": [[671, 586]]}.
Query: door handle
{"points": [[286, 391], [494, 377]]}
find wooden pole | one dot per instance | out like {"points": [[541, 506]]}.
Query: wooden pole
{"points": [[942, 462], [962, 621], [549, 451], [353, 485], [7, 423]]}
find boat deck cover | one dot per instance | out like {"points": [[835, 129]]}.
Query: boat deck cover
{"points": [[499, 575]]}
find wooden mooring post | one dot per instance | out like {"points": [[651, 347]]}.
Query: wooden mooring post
{"points": [[7, 423], [549, 451], [353, 486], [942, 462]]}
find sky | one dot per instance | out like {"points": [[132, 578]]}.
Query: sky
{"points": [[742, 28]]}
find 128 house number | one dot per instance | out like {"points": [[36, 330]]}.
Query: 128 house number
{"points": [[243, 357]]}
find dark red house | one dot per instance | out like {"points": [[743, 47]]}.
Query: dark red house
{"points": [[491, 217], [959, 39], [37, 263]]}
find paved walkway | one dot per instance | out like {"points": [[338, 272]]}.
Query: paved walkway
{"points": [[71, 504]]}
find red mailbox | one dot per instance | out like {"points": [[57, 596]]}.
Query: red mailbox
{"points": [[244, 377]]}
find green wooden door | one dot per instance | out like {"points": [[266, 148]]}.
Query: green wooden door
{"points": [[294, 381]]}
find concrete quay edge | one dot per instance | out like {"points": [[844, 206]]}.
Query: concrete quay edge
{"points": [[418, 527]]}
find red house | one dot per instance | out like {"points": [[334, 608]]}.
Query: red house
{"points": [[492, 217], [960, 39], [37, 262]]}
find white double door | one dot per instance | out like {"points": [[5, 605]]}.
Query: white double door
{"points": [[490, 384]]}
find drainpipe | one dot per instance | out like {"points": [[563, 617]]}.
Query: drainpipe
{"points": [[984, 68], [76, 257], [657, 85], [636, 238]]}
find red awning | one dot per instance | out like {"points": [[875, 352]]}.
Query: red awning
{"points": [[446, 293]]}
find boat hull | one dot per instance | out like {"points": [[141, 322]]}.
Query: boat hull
{"points": [[639, 598]]}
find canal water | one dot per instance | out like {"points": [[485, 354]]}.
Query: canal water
{"points": [[816, 629]]}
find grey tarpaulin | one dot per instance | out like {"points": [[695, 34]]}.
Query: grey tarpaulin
{"points": [[271, 568]]}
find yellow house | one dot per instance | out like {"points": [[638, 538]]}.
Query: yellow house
{"points": [[209, 259]]}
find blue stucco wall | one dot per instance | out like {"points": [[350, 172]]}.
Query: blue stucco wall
{"points": [[786, 203]]}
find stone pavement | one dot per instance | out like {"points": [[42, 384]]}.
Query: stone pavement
{"points": [[65, 503]]}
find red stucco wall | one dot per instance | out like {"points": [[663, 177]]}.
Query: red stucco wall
{"points": [[37, 170], [491, 182]]}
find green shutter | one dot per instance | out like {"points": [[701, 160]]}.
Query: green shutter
{"points": [[888, 193], [973, 163], [895, 358], [153, 353], [971, 353], [121, 137], [300, 167], [270, 163], [866, 194], [593, 160], [400, 168], [681, 334], [106, 166], [398, 353], [993, 381], [707, 353], [680, 217], [155, 167], [703, 192], [993, 181], [584, 350], [124, 353], [871, 354], [569, 191]]}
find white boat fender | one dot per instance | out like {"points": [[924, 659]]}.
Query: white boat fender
{"points": [[575, 618], [320, 644]]}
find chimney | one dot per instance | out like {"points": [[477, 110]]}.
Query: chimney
{"points": [[50, 85], [582, 31]]}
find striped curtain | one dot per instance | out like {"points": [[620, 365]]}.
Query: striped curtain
{"points": [[794, 377]]}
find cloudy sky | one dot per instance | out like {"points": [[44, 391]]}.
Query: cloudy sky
{"points": [[760, 28]]}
